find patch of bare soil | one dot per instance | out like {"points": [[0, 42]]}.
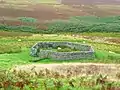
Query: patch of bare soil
{"points": [[71, 69], [40, 11], [49, 12], [12, 34], [102, 39], [38, 25], [114, 40]]}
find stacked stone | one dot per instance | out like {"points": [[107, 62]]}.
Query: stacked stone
{"points": [[84, 51]]}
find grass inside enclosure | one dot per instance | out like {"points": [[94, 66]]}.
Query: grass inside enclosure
{"points": [[61, 48]]}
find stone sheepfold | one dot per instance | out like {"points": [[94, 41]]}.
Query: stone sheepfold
{"points": [[84, 51]]}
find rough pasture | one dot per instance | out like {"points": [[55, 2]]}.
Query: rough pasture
{"points": [[44, 12], [88, 1]]}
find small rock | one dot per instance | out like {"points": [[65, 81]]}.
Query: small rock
{"points": [[111, 52], [19, 40], [59, 48]]}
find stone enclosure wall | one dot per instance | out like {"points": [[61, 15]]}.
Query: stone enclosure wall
{"points": [[84, 51]]}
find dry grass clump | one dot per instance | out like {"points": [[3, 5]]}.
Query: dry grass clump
{"points": [[56, 77], [24, 81], [68, 70]]}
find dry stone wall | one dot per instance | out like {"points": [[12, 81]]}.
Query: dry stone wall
{"points": [[84, 51]]}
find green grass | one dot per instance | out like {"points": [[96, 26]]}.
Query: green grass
{"points": [[80, 24], [101, 57], [100, 34], [105, 53], [48, 1], [77, 24], [8, 60]]}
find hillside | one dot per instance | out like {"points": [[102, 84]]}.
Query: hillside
{"points": [[47, 10], [90, 1]]}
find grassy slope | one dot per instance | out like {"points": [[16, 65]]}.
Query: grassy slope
{"points": [[30, 1], [7, 60]]}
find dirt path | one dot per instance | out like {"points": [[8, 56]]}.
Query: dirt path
{"points": [[74, 69]]}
